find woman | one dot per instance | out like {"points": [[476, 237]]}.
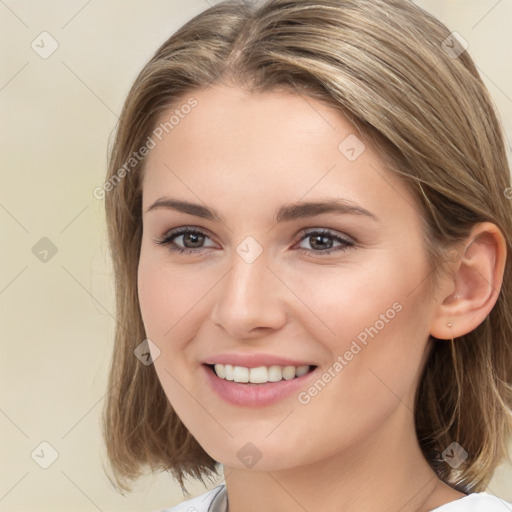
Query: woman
{"points": [[309, 216]]}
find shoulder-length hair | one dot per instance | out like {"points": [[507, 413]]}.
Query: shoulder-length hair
{"points": [[409, 87]]}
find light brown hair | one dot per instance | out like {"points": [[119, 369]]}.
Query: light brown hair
{"points": [[385, 65]]}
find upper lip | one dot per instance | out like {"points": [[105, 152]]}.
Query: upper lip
{"points": [[254, 360]]}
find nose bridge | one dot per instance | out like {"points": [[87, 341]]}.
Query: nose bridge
{"points": [[249, 296]]}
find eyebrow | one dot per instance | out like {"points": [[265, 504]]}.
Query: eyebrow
{"points": [[284, 213]]}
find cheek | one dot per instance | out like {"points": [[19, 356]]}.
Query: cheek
{"points": [[172, 302], [165, 294], [154, 298], [375, 319], [167, 300], [346, 302]]}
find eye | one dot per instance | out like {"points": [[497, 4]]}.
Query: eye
{"points": [[320, 240], [192, 238], [323, 238]]}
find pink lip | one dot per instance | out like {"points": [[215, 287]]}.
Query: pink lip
{"points": [[254, 360], [255, 395]]}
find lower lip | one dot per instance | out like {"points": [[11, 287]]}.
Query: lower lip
{"points": [[254, 395]]}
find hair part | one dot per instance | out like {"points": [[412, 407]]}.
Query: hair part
{"points": [[381, 64]]}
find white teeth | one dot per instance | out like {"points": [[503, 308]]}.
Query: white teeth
{"points": [[289, 372], [301, 370], [220, 370], [228, 369], [259, 375], [274, 373], [240, 374]]}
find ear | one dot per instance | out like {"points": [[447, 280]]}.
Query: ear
{"points": [[467, 296]]}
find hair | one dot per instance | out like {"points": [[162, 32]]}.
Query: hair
{"points": [[385, 65]]}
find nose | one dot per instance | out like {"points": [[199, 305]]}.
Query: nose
{"points": [[250, 299]]}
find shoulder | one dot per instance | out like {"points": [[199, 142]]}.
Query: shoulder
{"points": [[203, 502], [476, 502]]}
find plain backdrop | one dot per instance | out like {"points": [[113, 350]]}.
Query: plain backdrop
{"points": [[56, 288]]}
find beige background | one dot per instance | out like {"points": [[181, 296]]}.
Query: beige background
{"points": [[57, 317]]}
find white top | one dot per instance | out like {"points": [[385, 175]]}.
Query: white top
{"points": [[216, 500]]}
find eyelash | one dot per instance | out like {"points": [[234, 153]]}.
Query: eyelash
{"points": [[166, 240]]}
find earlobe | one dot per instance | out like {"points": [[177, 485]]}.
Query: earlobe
{"points": [[475, 285]]}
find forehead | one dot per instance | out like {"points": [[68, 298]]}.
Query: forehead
{"points": [[271, 147]]}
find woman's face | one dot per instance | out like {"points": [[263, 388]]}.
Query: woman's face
{"points": [[343, 290]]}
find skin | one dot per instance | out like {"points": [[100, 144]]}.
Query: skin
{"points": [[244, 156]]}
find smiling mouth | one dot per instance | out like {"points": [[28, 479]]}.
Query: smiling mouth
{"points": [[260, 374]]}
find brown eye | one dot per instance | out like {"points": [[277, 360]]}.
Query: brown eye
{"points": [[192, 240], [322, 242]]}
